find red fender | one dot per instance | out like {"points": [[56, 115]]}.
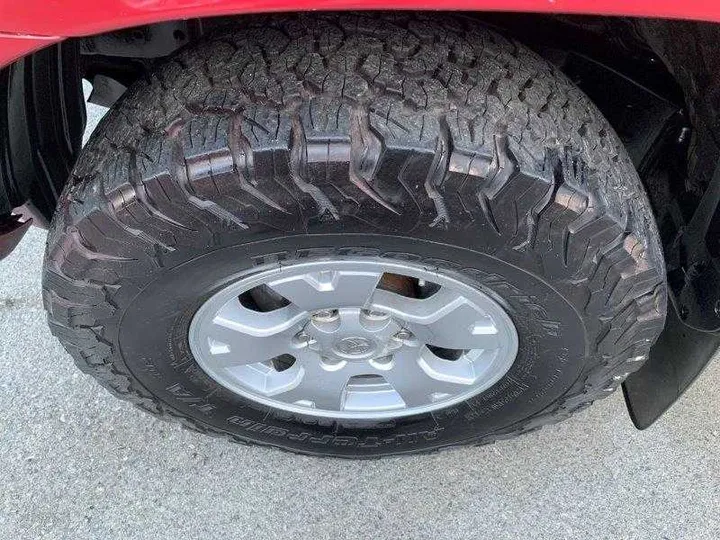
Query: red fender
{"points": [[28, 25]]}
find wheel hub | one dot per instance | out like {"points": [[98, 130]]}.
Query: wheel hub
{"points": [[353, 334], [354, 347], [349, 348]]}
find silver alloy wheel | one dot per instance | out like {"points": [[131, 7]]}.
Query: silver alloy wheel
{"points": [[350, 349]]}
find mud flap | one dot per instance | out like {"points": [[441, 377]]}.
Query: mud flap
{"points": [[679, 356], [692, 330]]}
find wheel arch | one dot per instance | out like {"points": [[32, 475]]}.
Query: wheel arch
{"points": [[42, 121], [49, 69]]}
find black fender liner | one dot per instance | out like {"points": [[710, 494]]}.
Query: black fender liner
{"points": [[42, 120], [691, 336], [692, 240]]}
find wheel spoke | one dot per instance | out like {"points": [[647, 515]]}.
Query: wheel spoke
{"points": [[323, 387], [416, 383], [264, 379], [238, 335], [328, 288], [446, 319]]}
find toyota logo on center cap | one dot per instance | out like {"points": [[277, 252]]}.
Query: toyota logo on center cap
{"points": [[354, 347]]}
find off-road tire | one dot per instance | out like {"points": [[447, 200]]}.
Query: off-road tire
{"points": [[402, 136]]}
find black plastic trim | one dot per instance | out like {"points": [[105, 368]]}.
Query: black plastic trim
{"points": [[42, 120], [676, 360]]}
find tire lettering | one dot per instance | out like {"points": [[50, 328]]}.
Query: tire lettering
{"points": [[335, 440]]}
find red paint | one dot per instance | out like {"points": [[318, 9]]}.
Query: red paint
{"points": [[13, 47], [86, 17]]}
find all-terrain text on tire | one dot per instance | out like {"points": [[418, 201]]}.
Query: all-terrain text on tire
{"points": [[356, 235]]}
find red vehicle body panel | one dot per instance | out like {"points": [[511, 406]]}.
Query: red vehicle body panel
{"points": [[14, 46], [26, 25]]}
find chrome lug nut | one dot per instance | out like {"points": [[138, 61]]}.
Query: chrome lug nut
{"points": [[403, 335], [375, 315], [325, 315], [303, 339]]}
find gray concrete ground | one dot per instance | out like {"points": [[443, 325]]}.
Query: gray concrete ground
{"points": [[77, 463]]}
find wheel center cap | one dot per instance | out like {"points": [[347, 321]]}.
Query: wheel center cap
{"points": [[354, 347]]}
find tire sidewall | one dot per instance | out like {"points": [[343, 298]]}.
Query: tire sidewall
{"points": [[152, 341]]}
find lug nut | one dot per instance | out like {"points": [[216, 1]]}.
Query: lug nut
{"points": [[325, 315], [384, 363], [403, 335], [374, 315], [304, 340]]}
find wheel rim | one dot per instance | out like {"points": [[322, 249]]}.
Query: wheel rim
{"points": [[337, 344]]}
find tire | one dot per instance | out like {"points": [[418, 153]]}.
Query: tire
{"points": [[306, 138]]}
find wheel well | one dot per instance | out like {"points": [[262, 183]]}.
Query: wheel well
{"points": [[654, 80], [612, 59], [596, 52]]}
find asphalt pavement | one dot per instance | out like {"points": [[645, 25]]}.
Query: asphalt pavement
{"points": [[77, 463]]}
